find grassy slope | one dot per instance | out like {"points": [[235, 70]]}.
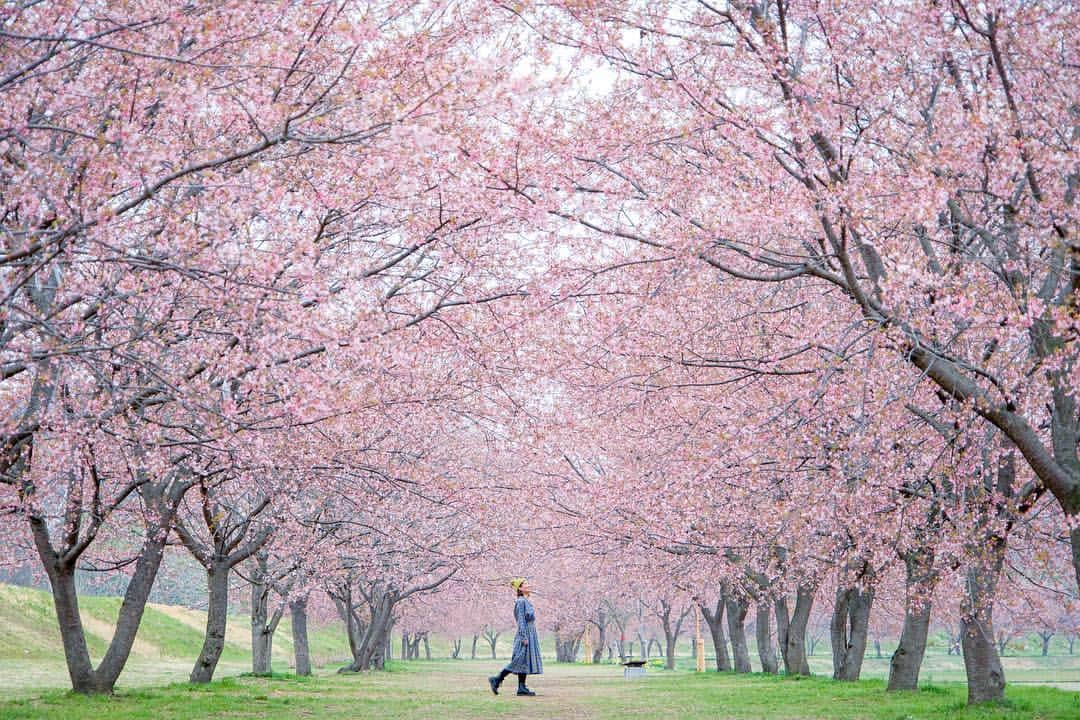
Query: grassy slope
{"points": [[448, 689], [169, 640]]}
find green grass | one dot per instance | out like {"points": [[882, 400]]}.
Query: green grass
{"points": [[28, 628], [169, 640], [33, 680], [456, 689], [169, 636]]}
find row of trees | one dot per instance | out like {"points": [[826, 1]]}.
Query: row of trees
{"points": [[758, 302]]}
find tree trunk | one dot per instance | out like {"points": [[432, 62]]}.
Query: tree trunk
{"points": [[765, 645], [1046, 643], [671, 628], [598, 651], [985, 676], [791, 630], [414, 647], [405, 646], [301, 648], [139, 586], [217, 614], [848, 631], [260, 641], [66, 601], [565, 648], [1074, 536], [455, 651], [714, 618], [475, 639], [262, 652], [877, 649], [370, 652], [84, 677], [736, 616]]}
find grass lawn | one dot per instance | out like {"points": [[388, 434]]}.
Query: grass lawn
{"points": [[33, 680], [457, 689]]}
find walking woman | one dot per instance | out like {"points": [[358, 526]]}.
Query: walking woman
{"points": [[526, 658]]}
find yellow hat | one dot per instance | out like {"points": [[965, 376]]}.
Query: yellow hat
{"points": [[516, 583]]}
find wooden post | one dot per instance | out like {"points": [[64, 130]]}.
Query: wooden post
{"points": [[699, 643]]}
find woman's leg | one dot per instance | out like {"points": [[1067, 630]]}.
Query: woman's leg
{"points": [[496, 680]]}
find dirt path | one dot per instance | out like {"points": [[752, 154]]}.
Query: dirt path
{"points": [[570, 692]]}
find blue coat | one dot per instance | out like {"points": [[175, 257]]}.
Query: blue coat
{"points": [[526, 658]]}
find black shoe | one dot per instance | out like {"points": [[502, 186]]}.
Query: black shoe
{"points": [[525, 691], [493, 681]]}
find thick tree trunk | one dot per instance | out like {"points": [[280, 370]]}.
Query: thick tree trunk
{"points": [[301, 648], [135, 598], [714, 618], [791, 630], [985, 676], [736, 616], [475, 639], [671, 628], [765, 645], [217, 615], [355, 630], [669, 649], [262, 646], [848, 631], [260, 639], [907, 660], [373, 656], [66, 601], [1074, 537], [370, 651], [405, 646], [84, 677], [598, 651]]}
